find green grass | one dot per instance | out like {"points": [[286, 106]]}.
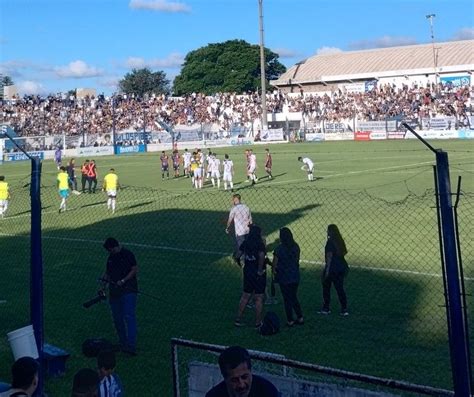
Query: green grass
{"points": [[379, 193]]}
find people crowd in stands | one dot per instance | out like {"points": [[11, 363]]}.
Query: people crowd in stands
{"points": [[55, 114]]}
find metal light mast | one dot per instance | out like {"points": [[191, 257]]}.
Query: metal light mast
{"points": [[435, 61], [262, 69]]}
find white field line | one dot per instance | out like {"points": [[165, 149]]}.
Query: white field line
{"points": [[219, 253]]}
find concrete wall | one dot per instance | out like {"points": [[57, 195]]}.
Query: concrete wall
{"points": [[203, 376]]}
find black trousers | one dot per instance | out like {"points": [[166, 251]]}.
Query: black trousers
{"points": [[92, 180], [290, 300], [338, 280], [83, 182]]}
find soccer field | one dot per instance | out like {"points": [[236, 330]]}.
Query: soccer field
{"points": [[380, 194]]}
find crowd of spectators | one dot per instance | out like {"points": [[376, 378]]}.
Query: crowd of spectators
{"points": [[55, 114]]}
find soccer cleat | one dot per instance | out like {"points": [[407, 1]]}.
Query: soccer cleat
{"points": [[250, 305], [344, 313], [238, 322], [324, 312]]}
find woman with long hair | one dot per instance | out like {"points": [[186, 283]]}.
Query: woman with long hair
{"points": [[286, 267], [253, 249], [335, 270]]}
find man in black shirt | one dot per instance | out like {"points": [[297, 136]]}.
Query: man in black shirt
{"points": [[236, 368], [121, 275]]}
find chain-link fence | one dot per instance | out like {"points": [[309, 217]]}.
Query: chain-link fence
{"points": [[190, 287]]}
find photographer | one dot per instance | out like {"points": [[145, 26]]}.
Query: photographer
{"points": [[121, 275]]}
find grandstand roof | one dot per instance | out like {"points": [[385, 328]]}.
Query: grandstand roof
{"points": [[370, 63]]}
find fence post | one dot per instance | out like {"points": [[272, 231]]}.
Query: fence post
{"points": [[175, 368], [36, 267], [459, 337]]}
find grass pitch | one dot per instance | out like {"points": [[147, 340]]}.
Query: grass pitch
{"points": [[379, 193]]}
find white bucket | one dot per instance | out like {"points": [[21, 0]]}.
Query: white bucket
{"points": [[23, 342]]}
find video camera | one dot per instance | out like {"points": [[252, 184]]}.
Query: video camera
{"points": [[99, 298]]}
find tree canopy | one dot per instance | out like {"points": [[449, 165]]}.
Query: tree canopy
{"points": [[6, 81], [144, 81], [232, 66]]}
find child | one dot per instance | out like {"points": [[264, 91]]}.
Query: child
{"points": [[110, 384]]}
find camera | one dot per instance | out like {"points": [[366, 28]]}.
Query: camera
{"points": [[91, 302]]}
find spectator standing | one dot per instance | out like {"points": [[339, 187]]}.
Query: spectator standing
{"points": [[239, 381], [286, 266], [335, 270], [242, 218], [255, 279], [24, 378], [121, 275]]}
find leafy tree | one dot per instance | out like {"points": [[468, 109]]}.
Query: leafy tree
{"points": [[6, 81], [143, 81], [232, 66]]}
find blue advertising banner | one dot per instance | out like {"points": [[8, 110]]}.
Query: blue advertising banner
{"points": [[457, 81], [19, 156], [130, 149]]}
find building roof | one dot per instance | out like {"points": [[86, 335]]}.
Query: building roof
{"points": [[370, 63]]}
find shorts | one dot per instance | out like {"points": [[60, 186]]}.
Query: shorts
{"points": [[164, 168], [112, 193], [252, 169], [253, 283], [3, 203], [198, 173], [215, 174], [227, 177], [176, 167], [64, 193]]}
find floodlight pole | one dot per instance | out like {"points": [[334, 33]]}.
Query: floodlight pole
{"points": [[114, 133], [262, 69], [459, 338], [435, 61]]}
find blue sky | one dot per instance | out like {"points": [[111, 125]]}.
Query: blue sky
{"points": [[57, 45]]}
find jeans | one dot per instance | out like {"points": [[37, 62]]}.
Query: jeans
{"points": [[291, 301], [123, 313], [338, 280]]}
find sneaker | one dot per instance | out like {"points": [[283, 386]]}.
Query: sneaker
{"points": [[250, 305], [324, 312], [344, 313], [258, 326], [238, 322], [299, 321]]}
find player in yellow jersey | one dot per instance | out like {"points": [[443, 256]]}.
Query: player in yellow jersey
{"points": [[63, 187], [4, 196], [110, 186]]}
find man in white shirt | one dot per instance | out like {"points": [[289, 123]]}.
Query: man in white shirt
{"points": [[186, 162], [308, 167], [215, 166], [252, 167], [228, 172], [242, 218]]}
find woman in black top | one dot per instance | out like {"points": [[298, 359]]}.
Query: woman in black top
{"points": [[335, 270], [286, 266], [253, 249]]}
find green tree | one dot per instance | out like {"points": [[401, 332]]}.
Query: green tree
{"points": [[232, 66], [6, 81], [144, 81]]}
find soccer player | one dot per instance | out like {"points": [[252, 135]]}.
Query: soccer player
{"points": [[194, 165], [268, 163], [164, 165], [228, 172], [176, 160], [215, 166], [63, 187], [57, 157], [208, 161], [308, 166], [72, 174], [4, 196], [247, 160], [252, 167], [187, 162], [110, 186], [198, 170]]}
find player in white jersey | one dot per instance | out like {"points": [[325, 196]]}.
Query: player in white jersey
{"points": [[208, 168], [252, 167], [228, 172], [308, 167], [215, 166], [186, 162]]}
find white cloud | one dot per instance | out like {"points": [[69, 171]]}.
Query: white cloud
{"points": [[328, 50], [77, 70], [28, 87], [382, 42], [159, 5], [286, 53], [174, 60], [464, 34]]}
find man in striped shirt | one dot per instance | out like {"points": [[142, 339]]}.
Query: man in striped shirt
{"points": [[110, 384]]}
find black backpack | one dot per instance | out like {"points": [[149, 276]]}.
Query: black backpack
{"points": [[270, 324], [92, 347]]}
